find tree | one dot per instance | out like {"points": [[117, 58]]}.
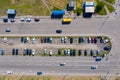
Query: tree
{"points": [[99, 6]]}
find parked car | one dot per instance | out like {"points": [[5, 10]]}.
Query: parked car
{"points": [[65, 39], [74, 52], [2, 52], [107, 48], [71, 40], [50, 53], [95, 40], [16, 51], [91, 52], [33, 52], [9, 72], [68, 51], [42, 40], [33, 40], [97, 52], [85, 52], [5, 20], [71, 52], [92, 39], [89, 39], [79, 52], [7, 30], [80, 40], [62, 40], [37, 19], [13, 51], [45, 40], [5, 40], [12, 20], [22, 19], [83, 39], [59, 52], [65, 52], [28, 20], [45, 51], [25, 52], [50, 40]]}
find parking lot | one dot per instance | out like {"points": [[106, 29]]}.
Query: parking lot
{"points": [[54, 46]]}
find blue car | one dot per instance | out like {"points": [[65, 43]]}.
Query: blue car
{"points": [[107, 48]]}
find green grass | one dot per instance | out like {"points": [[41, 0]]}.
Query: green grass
{"points": [[111, 1], [110, 8], [102, 12]]}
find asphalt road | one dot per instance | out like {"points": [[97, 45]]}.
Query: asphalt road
{"points": [[109, 25]]}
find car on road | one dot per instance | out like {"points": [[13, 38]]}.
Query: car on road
{"points": [[98, 59], [58, 31], [94, 67], [62, 64], [7, 30]]}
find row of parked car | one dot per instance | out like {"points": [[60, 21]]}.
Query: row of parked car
{"points": [[65, 40], [60, 52], [43, 40], [21, 19]]}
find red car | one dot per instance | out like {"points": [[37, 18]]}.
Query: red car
{"points": [[92, 40]]}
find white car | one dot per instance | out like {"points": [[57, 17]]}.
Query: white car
{"points": [[50, 52], [5, 39], [9, 72], [33, 52], [28, 20], [33, 41], [45, 51], [65, 40], [27, 39], [22, 19], [62, 40], [68, 51]]}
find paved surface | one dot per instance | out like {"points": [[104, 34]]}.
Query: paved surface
{"points": [[50, 65]]}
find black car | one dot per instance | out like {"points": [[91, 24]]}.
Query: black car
{"points": [[45, 40], [2, 52], [65, 52], [71, 52], [107, 48], [79, 52], [85, 53], [36, 19], [74, 52], [13, 51], [5, 20], [59, 52], [58, 31], [71, 40], [16, 51], [91, 52]]}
